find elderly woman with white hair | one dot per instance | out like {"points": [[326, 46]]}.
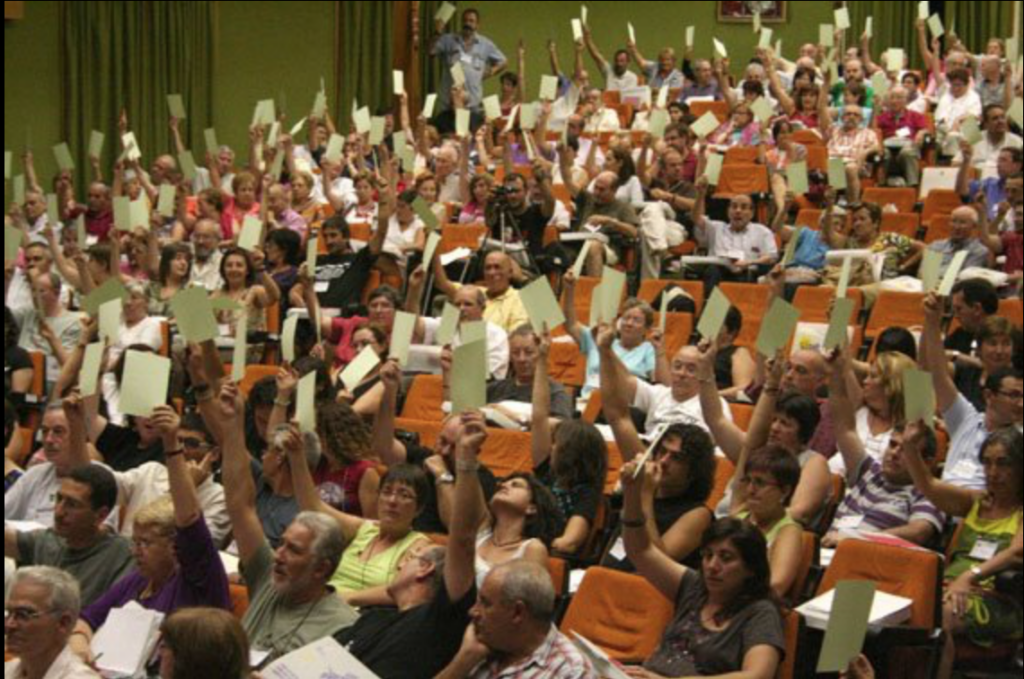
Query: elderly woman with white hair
{"points": [[39, 620]]}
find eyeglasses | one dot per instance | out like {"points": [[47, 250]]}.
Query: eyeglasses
{"points": [[1012, 395], [757, 483], [194, 443], [24, 615], [397, 494], [147, 543]]}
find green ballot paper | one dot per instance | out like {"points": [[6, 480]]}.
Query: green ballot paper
{"points": [[607, 297], [89, 375], [144, 386], [581, 259], [401, 337], [252, 232], [188, 165], [12, 242], [473, 331], [548, 88], [241, 349], [919, 396], [713, 168], [847, 625], [931, 266], [312, 247], [762, 110], [469, 377], [166, 203], [777, 328], [541, 305], [790, 252], [949, 280], [713, 318], [449, 325], [839, 324], [305, 404], [705, 125], [358, 369], [110, 320], [426, 215], [844, 278], [212, 147], [433, 240], [112, 289], [177, 106], [970, 130], [796, 177], [62, 154], [194, 312], [291, 324], [96, 140], [837, 174]]}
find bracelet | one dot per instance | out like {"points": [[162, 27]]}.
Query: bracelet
{"points": [[283, 403], [638, 523], [467, 467]]}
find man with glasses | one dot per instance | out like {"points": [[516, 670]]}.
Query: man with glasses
{"points": [[854, 143], [78, 542], [38, 622], [968, 428]]}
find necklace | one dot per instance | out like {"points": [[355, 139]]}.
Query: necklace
{"points": [[506, 545]]}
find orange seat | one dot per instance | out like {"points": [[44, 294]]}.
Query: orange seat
{"points": [[741, 154], [253, 374], [1013, 309], [651, 288], [808, 138], [612, 97], [724, 471], [566, 364], [594, 405], [425, 398], [809, 558], [239, 600], [817, 159], [38, 389], [583, 294], [559, 571], [904, 223], [678, 329], [361, 232], [903, 199], [455, 236], [938, 229], [719, 108], [561, 193], [742, 179], [742, 413], [897, 309], [814, 301], [809, 218], [622, 614], [793, 665], [752, 301], [939, 202]]}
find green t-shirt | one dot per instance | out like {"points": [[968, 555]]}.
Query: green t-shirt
{"points": [[355, 575], [274, 626], [96, 568]]}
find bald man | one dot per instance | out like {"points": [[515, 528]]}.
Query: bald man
{"points": [[963, 235], [98, 211], [503, 307], [599, 210]]}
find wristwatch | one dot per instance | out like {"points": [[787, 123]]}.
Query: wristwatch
{"points": [[445, 479], [976, 574]]}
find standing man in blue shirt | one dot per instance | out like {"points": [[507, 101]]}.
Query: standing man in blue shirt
{"points": [[480, 59]]}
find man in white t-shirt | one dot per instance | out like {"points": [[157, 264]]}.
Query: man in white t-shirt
{"points": [[617, 76]]}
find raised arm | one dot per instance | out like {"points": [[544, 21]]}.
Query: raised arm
{"points": [[618, 390], [391, 451], [844, 418], [775, 83], [572, 326], [595, 53], [947, 498], [540, 440], [934, 355], [654, 565], [187, 509], [460, 564], [730, 438]]}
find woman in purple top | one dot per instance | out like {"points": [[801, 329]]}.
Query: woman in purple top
{"points": [[177, 564]]}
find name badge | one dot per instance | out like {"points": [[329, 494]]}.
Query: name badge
{"points": [[984, 550], [466, 58], [618, 550]]}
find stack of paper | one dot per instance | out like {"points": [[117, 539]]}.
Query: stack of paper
{"points": [[887, 610], [124, 645], [325, 658]]}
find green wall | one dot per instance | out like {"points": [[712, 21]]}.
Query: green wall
{"points": [[657, 24]]}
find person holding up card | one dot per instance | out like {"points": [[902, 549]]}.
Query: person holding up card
{"points": [[748, 246], [98, 211], [957, 104], [988, 543], [479, 57], [661, 73], [247, 284], [742, 129], [902, 255], [617, 76], [903, 134], [703, 84], [964, 232], [851, 140], [990, 187], [47, 326], [527, 353], [502, 304], [995, 124], [1010, 242], [734, 569]]}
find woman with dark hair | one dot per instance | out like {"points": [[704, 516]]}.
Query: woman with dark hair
{"points": [[524, 521], [726, 621], [994, 352], [203, 643], [734, 366], [619, 160], [382, 306], [172, 276], [284, 255], [675, 496], [901, 255], [365, 397], [19, 372], [989, 542], [247, 285]]}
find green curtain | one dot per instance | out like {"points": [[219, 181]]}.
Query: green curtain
{"points": [[894, 25], [430, 68], [364, 57], [129, 56], [976, 22]]}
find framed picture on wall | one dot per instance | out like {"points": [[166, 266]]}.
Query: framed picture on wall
{"points": [[743, 11]]}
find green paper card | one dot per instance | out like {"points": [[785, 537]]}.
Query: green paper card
{"points": [[166, 203], [433, 240], [361, 119], [305, 404], [62, 154], [777, 328], [707, 124], [713, 168], [52, 211], [319, 105], [252, 232], [766, 38], [923, 11], [869, 27], [398, 80], [377, 129], [935, 26], [837, 174], [691, 32], [762, 110], [658, 122], [919, 397], [548, 88], [80, 235], [291, 324], [842, 19], [144, 386], [949, 280], [613, 283], [89, 375], [970, 130], [241, 349], [8, 158], [839, 324], [19, 189], [188, 165], [720, 48], [473, 331], [312, 248], [212, 147], [428, 106], [110, 320], [469, 377], [458, 75], [1016, 111], [492, 107], [528, 116], [335, 148], [631, 31], [194, 313], [827, 35], [12, 243], [757, 22], [796, 177], [541, 305], [847, 625], [844, 278], [895, 59], [225, 304], [581, 259], [787, 256], [266, 113], [426, 215], [449, 325], [713, 318], [462, 120], [931, 267], [358, 369], [445, 12], [401, 337], [177, 106], [139, 214], [112, 289]]}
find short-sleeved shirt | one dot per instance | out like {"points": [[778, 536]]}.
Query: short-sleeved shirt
{"points": [[275, 626], [994, 190], [896, 248], [640, 361], [967, 433], [476, 60], [891, 124], [96, 567], [977, 254], [412, 644], [614, 83], [531, 225], [339, 488], [880, 505], [200, 581], [429, 520], [655, 78], [34, 497], [15, 359], [1013, 246], [276, 513], [506, 311], [356, 575], [661, 407], [689, 649], [340, 279], [122, 449], [555, 658], [510, 390], [753, 242]]}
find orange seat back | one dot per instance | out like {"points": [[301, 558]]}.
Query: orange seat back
{"points": [[455, 236], [719, 108], [594, 405], [239, 600], [425, 398], [559, 571], [809, 558], [808, 138], [814, 301], [817, 158], [938, 229], [896, 309], [904, 223], [742, 179], [741, 154], [583, 295], [1013, 309], [38, 388], [939, 202], [752, 301], [622, 614], [724, 471], [742, 413], [678, 329], [253, 374], [903, 199]]}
